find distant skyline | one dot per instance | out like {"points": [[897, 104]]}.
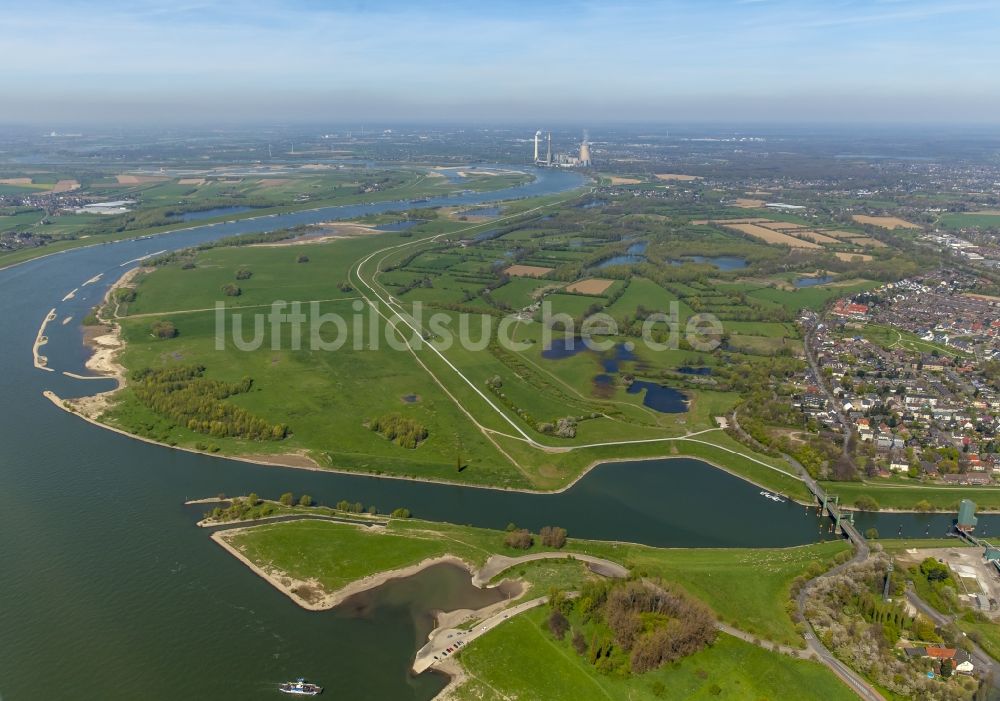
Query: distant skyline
{"points": [[311, 61]]}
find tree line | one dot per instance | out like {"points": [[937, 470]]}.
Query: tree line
{"points": [[189, 399], [402, 430]]}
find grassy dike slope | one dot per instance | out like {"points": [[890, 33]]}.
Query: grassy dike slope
{"points": [[522, 660], [747, 588]]}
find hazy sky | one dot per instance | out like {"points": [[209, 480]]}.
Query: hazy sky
{"points": [[829, 60]]}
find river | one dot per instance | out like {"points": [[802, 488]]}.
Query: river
{"points": [[110, 592]]}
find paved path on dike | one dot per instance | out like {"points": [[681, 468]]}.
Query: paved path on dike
{"points": [[501, 563]]}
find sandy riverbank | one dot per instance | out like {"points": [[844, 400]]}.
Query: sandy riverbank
{"points": [[41, 362], [105, 343]]}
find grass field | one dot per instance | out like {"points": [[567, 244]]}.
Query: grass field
{"points": [[893, 338], [970, 220], [904, 496], [521, 659], [809, 297], [747, 588]]}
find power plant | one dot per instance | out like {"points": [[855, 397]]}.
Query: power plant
{"points": [[561, 160]]}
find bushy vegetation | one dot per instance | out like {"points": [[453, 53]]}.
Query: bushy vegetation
{"points": [[163, 329], [633, 627], [553, 536], [397, 428], [852, 620], [936, 585], [519, 539], [189, 399]]}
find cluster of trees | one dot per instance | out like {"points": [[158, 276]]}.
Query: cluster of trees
{"points": [[553, 536], [633, 627], [252, 507], [357, 508], [400, 429], [519, 539], [164, 329], [288, 499], [186, 397], [522, 539], [124, 295], [231, 289], [866, 502], [244, 274]]}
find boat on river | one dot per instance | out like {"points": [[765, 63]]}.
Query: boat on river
{"points": [[300, 687], [773, 497]]}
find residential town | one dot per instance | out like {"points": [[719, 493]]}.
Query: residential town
{"points": [[911, 367]]}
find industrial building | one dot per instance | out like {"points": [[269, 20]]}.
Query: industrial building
{"points": [[561, 160]]}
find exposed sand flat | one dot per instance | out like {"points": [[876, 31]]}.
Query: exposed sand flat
{"points": [[677, 176], [884, 222], [770, 236], [297, 459], [618, 180], [66, 186], [848, 257], [71, 294], [528, 271], [41, 339], [67, 320], [92, 280], [338, 230], [593, 286]]}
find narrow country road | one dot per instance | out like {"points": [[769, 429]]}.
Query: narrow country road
{"points": [[500, 563]]}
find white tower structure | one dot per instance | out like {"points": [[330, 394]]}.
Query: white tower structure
{"points": [[548, 152], [538, 135], [584, 152]]}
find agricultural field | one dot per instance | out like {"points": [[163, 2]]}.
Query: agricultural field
{"points": [[884, 222]]}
